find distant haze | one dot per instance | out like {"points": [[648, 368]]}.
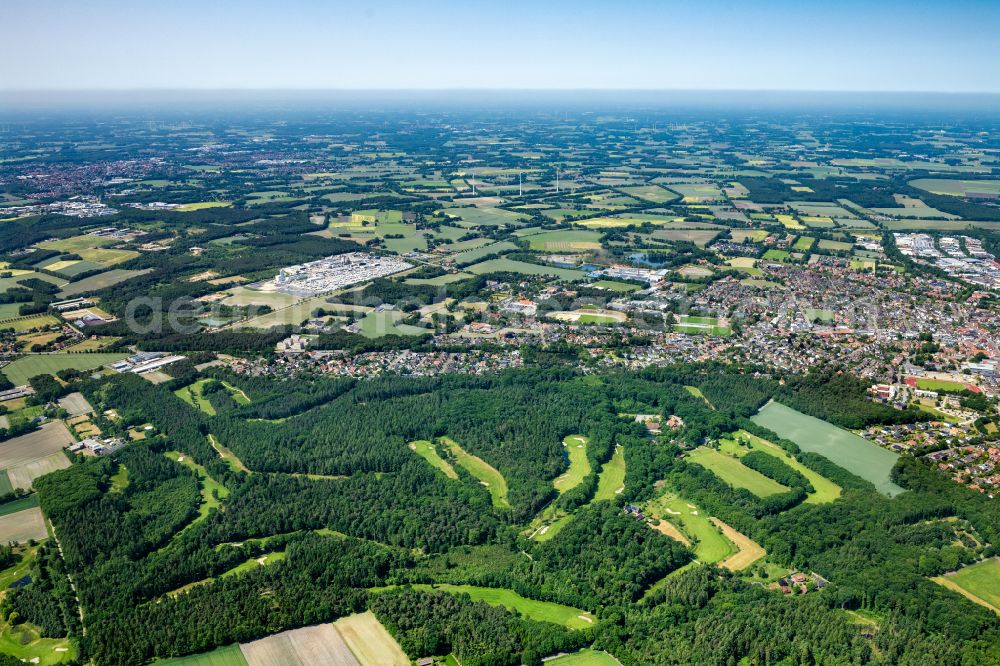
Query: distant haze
{"points": [[798, 45]]}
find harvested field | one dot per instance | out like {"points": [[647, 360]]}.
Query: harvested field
{"points": [[22, 476], [22, 526], [75, 404], [321, 644], [371, 644], [49, 439]]}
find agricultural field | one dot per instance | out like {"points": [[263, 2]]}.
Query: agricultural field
{"points": [[369, 641], [100, 281], [513, 266], [579, 465], [482, 470], [571, 240], [853, 453], [485, 217], [777, 255], [836, 246], [386, 322], [804, 243], [468, 256], [733, 472], [652, 193], [31, 455], [21, 526], [957, 188], [978, 582], [543, 611], [21, 370], [225, 656], [320, 644], [30, 323]]}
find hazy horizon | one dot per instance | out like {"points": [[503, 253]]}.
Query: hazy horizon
{"points": [[848, 46]]}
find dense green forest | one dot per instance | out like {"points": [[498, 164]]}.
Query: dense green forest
{"points": [[326, 476]]}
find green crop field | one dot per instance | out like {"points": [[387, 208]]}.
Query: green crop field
{"points": [[568, 240], [955, 187], [853, 453], [543, 611], [825, 490], [485, 217], [523, 267], [708, 543], [804, 243], [483, 251], [428, 452], [482, 470], [979, 582], [611, 480], [584, 658], [26, 367], [735, 473], [579, 466], [230, 655], [21, 504]]}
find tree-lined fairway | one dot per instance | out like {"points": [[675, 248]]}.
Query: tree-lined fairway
{"points": [[978, 582], [584, 658], [825, 489], [611, 481], [735, 473], [579, 466], [428, 452], [482, 470], [710, 545], [853, 453], [543, 611], [212, 492]]}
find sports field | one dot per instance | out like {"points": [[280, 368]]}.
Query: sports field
{"points": [[21, 370], [939, 385], [853, 453], [825, 490], [543, 611], [428, 452], [735, 473], [482, 470], [579, 466], [978, 582], [709, 544], [611, 481]]}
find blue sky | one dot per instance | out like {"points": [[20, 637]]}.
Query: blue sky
{"points": [[883, 45]]}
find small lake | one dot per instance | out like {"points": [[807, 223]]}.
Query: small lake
{"points": [[855, 454]]}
